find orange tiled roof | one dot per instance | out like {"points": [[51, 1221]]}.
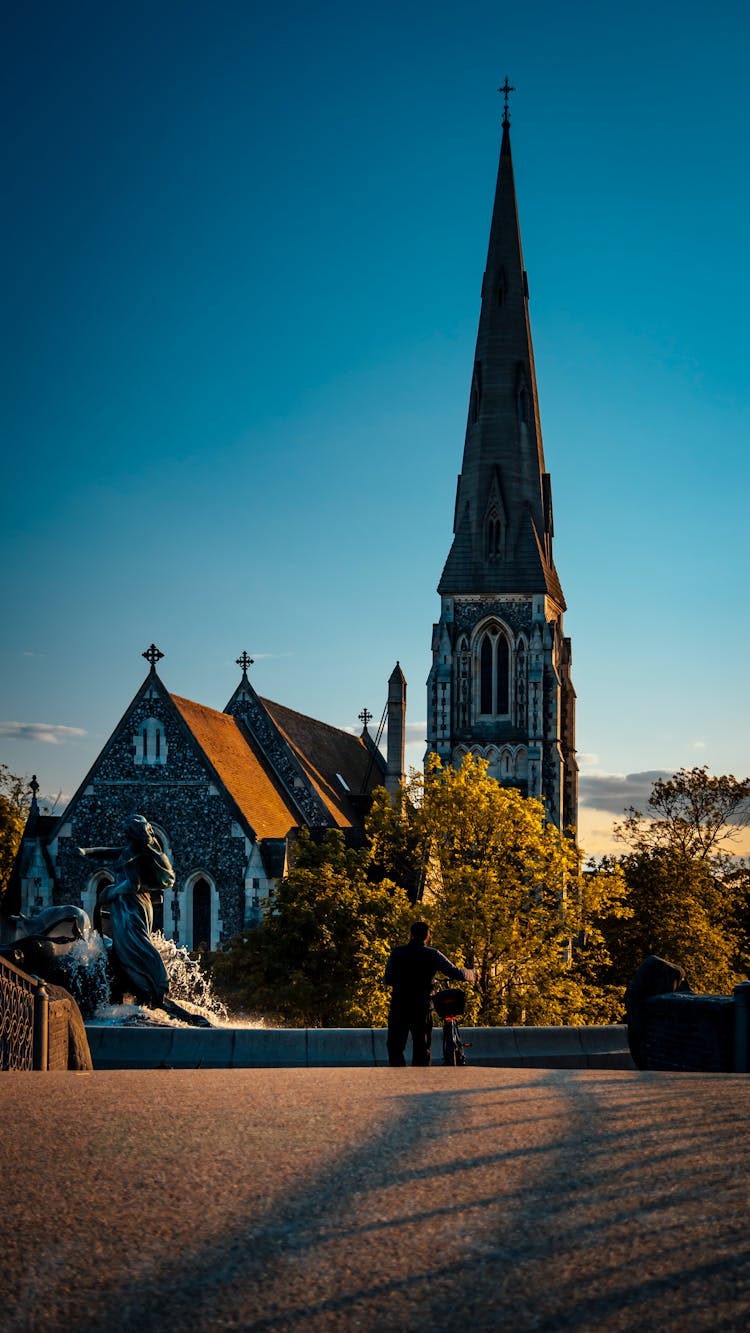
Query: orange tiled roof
{"points": [[261, 801], [326, 752]]}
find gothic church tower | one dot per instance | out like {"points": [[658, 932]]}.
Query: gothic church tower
{"points": [[500, 680]]}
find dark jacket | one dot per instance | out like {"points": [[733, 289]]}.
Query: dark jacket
{"points": [[410, 971]]}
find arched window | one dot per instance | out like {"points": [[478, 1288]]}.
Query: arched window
{"points": [[494, 673], [90, 897], [520, 676], [502, 675], [201, 914], [158, 910], [151, 743], [486, 672]]}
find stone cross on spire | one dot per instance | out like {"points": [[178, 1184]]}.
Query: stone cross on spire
{"points": [[244, 661], [152, 656], [506, 89]]}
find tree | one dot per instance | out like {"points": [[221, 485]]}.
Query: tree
{"points": [[681, 911], [507, 898], [14, 809], [687, 894], [318, 958], [692, 813]]}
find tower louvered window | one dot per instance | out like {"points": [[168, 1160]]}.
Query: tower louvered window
{"points": [[494, 675]]}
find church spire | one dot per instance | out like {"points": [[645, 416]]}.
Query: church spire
{"points": [[503, 518], [500, 684]]}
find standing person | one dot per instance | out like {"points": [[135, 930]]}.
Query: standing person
{"points": [[410, 970]]}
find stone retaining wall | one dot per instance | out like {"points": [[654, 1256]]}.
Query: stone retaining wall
{"points": [[265, 1048]]}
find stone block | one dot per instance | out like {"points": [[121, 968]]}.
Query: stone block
{"points": [[345, 1046]]}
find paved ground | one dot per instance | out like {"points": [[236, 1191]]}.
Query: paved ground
{"points": [[408, 1199]]}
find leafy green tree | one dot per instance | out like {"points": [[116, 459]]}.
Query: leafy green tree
{"points": [[505, 894], [317, 960], [14, 809], [688, 896], [680, 910], [693, 814]]}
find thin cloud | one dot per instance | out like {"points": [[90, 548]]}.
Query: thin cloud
{"points": [[416, 733], [48, 733], [616, 792]]}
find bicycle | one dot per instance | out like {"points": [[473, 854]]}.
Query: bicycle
{"points": [[448, 1004]]}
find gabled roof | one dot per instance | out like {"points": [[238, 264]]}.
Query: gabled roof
{"points": [[269, 809], [328, 754], [258, 796]]}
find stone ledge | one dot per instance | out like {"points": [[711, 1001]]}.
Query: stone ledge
{"points": [[133, 1047]]}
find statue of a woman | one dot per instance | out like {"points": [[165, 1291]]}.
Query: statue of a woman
{"points": [[142, 869]]}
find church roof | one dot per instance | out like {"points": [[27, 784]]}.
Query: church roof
{"points": [[258, 796], [327, 755]]}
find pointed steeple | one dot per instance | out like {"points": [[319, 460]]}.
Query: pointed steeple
{"points": [[499, 686], [503, 519]]}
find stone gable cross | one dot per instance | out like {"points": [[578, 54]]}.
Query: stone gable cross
{"points": [[365, 716], [244, 661], [152, 656]]}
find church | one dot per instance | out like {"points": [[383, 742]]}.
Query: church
{"points": [[500, 684], [228, 792]]}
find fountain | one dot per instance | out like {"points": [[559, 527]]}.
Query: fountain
{"points": [[60, 945], [120, 972]]}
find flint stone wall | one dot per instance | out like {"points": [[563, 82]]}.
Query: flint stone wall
{"points": [[180, 796]]}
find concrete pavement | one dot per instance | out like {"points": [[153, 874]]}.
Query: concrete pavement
{"points": [[369, 1198]]}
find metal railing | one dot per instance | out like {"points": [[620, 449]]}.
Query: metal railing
{"points": [[24, 1019]]}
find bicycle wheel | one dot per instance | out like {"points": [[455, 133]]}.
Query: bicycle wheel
{"points": [[450, 1045], [460, 1046]]}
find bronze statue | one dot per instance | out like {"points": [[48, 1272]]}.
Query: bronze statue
{"points": [[124, 910]]}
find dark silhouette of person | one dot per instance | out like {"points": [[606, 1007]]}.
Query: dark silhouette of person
{"points": [[410, 971]]}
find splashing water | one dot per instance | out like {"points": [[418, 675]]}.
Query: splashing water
{"points": [[84, 971], [187, 981]]}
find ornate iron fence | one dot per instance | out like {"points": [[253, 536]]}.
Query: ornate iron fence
{"points": [[24, 1019]]}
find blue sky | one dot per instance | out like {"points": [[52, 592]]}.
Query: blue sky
{"points": [[242, 260]]}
